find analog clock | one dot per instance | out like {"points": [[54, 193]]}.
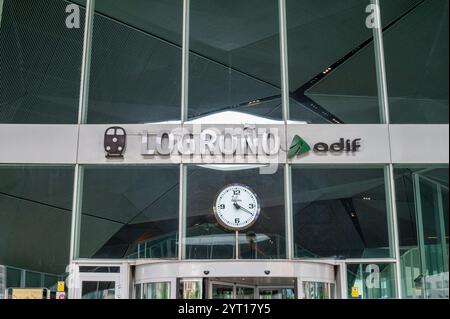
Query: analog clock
{"points": [[237, 207]]}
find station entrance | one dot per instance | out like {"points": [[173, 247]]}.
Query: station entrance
{"points": [[191, 280]]}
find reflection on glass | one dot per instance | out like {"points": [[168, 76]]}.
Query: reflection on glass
{"points": [[206, 239], [130, 212], [245, 292], [98, 290], [222, 292], [136, 62], [36, 201], [276, 293], [340, 213], [371, 281], [417, 75], [422, 205], [331, 62], [40, 62], [191, 289], [316, 290], [234, 58], [13, 278], [156, 290]]}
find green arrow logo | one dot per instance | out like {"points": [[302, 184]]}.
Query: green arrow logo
{"points": [[298, 147]]}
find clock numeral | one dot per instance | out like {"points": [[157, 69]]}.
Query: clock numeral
{"points": [[251, 206], [237, 220], [237, 192], [222, 206]]}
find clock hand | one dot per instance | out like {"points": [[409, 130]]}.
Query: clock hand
{"points": [[245, 210]]}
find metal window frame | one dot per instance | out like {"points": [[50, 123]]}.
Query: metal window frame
{"points": [[383, 96]]}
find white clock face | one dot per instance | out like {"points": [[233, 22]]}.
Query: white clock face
{"points": [[237, 207]]}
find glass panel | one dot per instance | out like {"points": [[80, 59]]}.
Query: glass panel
{"points": [[191, 289], [33, 280], [422, 209], [130, 212], [36, 201], [315, 290], [136, 61], [234, 58], [417, 75], [331, 62], [98, 290], [340, 213], [245, 293], [371, 281], [277, 293], [40, 62], [207, 239], [222, 292], [156, 290], [13, 278]]}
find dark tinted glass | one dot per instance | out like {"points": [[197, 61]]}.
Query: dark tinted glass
{"points": [[35, 219], [340, 213], [331, 62], [130, 212], [416, 50], [234, 57], [136, 61], [40, 62]]}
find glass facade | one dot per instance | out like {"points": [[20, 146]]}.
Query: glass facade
{"points": [[422, 201], [279, 61], [338, 85], [206, 239], [135, 74], [129, 212], [40, 63], [340, 213], [370, 281], [418, 94], [235, 57], [35, 222]]}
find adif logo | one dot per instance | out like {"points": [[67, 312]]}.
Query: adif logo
{"points": [[300, 147], [73, 19]]}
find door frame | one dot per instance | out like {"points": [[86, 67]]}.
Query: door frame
{"points": [[121, 278], [171, 281], [100, 277]]}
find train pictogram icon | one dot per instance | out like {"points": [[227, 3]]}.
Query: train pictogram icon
{"points": [[115, 142]]}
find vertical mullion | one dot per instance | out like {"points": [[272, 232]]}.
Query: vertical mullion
{"points": [[184, 118], [285, 102], [395, 231], [442, 227], [289, 211], [284, 59], [86, 62], [182, 214], [383, 97], [77, 185], [76, 213], [420, 231], [185, 62], [381, 65]]}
